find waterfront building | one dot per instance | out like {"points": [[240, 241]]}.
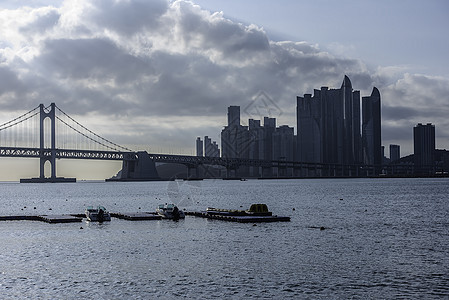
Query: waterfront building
{"points": [[328, 125], [256, 145], [199, 147], [282, 141], [269, 127], [371, 129], [234, 115], [395, 153], [210, 148], [234, 137], [424, 147], [256, 142]]}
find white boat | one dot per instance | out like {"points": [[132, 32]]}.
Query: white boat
{"points": [[97, 214], [170, 211]]}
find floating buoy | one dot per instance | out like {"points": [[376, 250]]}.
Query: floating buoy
{"points": [[293, 208], [322, 228], [81, 227], [49, 209]]}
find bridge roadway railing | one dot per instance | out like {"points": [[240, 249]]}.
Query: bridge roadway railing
{"points": [[66, 153], [190, 161], [167, 158], [237, 162]]}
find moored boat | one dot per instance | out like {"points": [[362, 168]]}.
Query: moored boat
{"points": [[170, 211], [97, 214]]}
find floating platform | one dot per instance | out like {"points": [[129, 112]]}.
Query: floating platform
{"points": [[59, 218], [20, 218], [238, 218], [44, 218], [47, 180], [138, 216]]}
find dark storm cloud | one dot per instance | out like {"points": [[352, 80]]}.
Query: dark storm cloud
{"points": [[90, 58], [9, 82], [231, 39]]}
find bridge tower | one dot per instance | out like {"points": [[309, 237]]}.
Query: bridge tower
{"points": [[52, 157], [45, 153]]}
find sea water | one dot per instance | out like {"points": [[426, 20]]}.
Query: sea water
{"points": [[347, 238]]}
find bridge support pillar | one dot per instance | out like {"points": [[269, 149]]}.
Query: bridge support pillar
{"points": [[52, 158], [43, 157], [190, 169], [139, 167]]}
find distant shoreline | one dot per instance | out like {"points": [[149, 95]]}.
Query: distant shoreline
{"points": [[250, 178]]}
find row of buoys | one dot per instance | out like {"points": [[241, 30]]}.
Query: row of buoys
{"points": [[33, 208]]}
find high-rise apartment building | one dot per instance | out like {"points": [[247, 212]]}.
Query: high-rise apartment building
{"points": [[328, 125], [395, 153], [424, 147], [269, 127], [371, 129], [234, 137], [210, 148], [282, 140], [199, 147], [234, 115]]}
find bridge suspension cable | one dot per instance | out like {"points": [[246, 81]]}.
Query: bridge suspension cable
{"points": [[19, 119], [22, 131], [88, 134], [25, 131]]}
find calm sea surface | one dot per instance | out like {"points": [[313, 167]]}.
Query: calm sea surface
{"points": [[384, 239]]}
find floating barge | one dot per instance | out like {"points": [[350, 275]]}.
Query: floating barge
{"points": [[44, 218], [257, 213], [72, 218], [240, 219], [139, 216]]}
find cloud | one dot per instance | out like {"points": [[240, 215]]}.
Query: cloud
{"points": [[168, 59], [126, 17]]}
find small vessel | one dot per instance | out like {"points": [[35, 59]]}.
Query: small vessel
{"points": [[170, 211], [97, 214]]}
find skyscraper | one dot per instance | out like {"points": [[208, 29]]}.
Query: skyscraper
{"points": [[424, 147], [210, 148], [395, 153], [234, 137], [234, 115], [199, 147], [269, 127], [283, 143], [328, 125], [371, 129]]}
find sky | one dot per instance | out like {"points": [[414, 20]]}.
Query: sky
{"points": [[155, 74]]}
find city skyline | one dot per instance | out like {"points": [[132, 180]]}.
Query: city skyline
{"points": [[161, 86]]}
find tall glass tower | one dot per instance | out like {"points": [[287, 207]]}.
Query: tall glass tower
{"points": [[371, 129], [328, 125]]}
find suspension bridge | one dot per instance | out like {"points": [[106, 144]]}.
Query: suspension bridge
{"points": [[48, 133]]}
